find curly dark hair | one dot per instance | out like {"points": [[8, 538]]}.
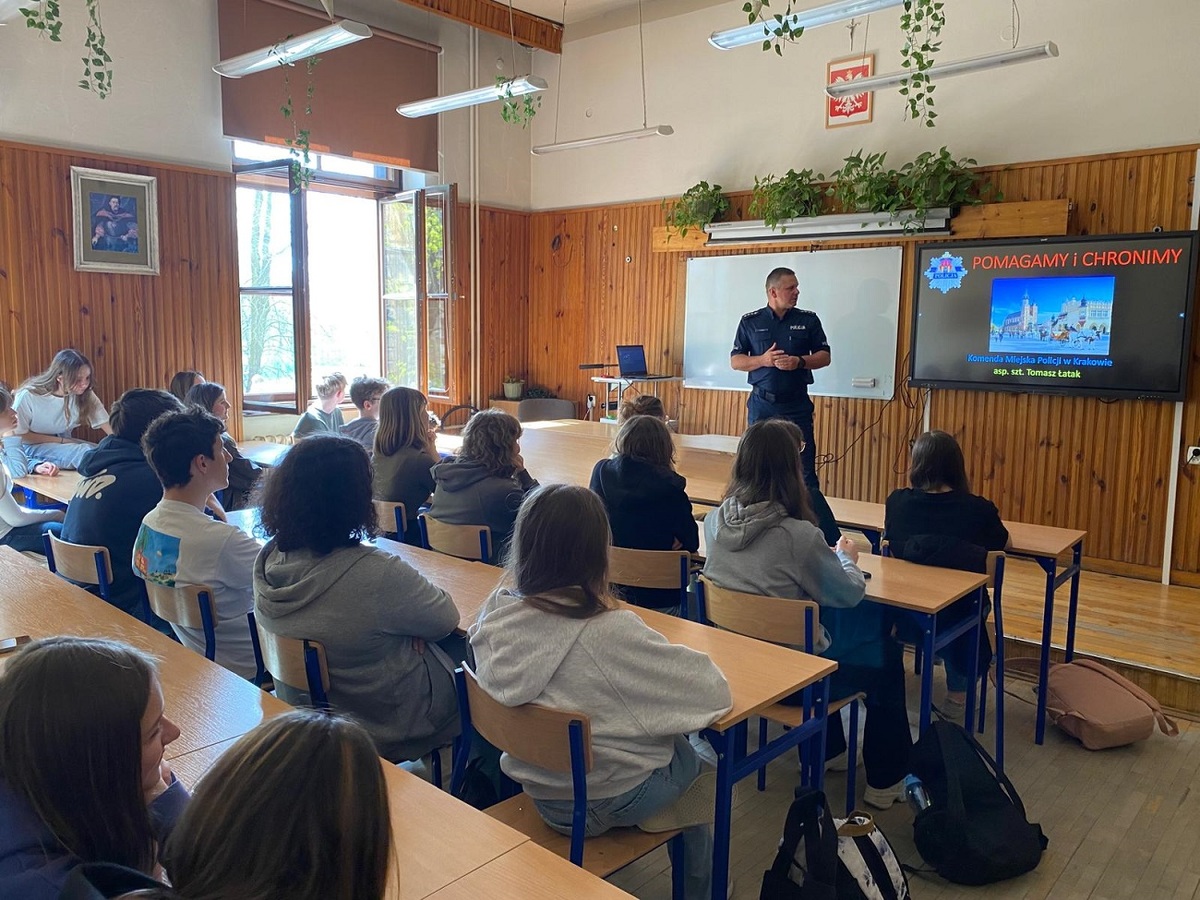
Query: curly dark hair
{"points": [[489, 438], [319, 498]]}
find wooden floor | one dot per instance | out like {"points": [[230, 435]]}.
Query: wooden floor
{"points": [[1121, 823]]}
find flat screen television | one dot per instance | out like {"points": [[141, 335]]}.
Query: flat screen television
{"points": [[1102, 316]]}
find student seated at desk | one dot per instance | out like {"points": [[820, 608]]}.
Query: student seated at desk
{"points": [[51, 405], [184, 381], [646, 500], [82, 776], [323, 417], [244, 474], [938, 521], [116, 491], [297, 809], [179, 544], [553, 636], [404, 456], [763, 539], [377, 617], [365, 393], [486, 482], [20, 528], [641, 405]]}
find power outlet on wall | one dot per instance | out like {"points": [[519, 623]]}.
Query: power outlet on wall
{"points": [[1193, 456]]}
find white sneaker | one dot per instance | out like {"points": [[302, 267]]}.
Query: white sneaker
{"points": [[883, 798]]}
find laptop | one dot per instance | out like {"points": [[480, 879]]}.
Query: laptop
{"points": [[631, 361]]}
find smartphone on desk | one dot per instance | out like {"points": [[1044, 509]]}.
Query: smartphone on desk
{"points": [[7, 645]]}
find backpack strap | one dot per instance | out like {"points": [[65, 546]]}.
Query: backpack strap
{"points": [[1165, 724], [804, 823], [995, 772], [953, 758]]}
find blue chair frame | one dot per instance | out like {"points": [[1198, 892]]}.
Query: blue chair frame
{"points": [[484, 556], [102, 581]]}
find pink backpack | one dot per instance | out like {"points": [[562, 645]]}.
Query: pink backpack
{"points": [[1101, 708]]}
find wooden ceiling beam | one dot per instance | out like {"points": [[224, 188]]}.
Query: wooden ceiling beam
{"points": [[489, 15]]}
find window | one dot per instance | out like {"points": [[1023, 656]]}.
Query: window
{"points": [[342, 275]]}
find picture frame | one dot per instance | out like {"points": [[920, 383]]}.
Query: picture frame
{"points": [[853, 109], [115, 218]]}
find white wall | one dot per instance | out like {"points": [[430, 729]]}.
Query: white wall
{"points": [[742, 113]]}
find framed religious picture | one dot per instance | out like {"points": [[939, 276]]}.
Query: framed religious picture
{"points": [[116, 221], [852, 109]]}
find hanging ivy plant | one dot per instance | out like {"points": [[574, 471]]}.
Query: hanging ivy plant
{"points": [[45, 18], [516, 110], [777, 27], [97, 64], [298, 144], [921, 23]]}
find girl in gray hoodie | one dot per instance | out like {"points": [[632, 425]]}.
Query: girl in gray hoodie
{"points": [[554, 636]]}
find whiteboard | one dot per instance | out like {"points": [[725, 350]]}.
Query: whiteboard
{"points": [[856, 293]]}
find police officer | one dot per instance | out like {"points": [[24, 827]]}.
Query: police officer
{"points": [[779, 346]]}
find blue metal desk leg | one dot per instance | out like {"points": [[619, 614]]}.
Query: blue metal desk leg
{"points": [[1049, 564], [1076, 564], [969, 717], [730, 745], [929, 629]]}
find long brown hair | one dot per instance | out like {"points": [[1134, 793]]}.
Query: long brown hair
{"points": [[402, 422], [297, 808], [489, 438], [937, 461], [768, 466], [646, 438], [66, 365], [558, 558], [71, 714]]}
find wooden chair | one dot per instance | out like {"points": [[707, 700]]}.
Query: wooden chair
{"points": [[83, 563], [189, 606], [778, 621], [559, 742], [658, 569], [297, 664], [391, 513], [464, 541]]}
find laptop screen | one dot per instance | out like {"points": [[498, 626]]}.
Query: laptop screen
{"points": [[631, 359]]}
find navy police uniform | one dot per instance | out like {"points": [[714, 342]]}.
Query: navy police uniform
{"points": [[777, 394]]}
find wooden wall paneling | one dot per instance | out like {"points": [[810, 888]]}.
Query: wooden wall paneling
{"points": [[138, 330]]}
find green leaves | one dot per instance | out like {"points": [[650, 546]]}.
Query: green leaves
{"points": [[45, 19], [516, 110], [921, 23], [791, 196], [700, 205], [97, 64], [299, 147]]}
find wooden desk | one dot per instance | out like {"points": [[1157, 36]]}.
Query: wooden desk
{"points": [[265, 453], [437, 840], [529, 872], [209, 703], [721, 443], [759, 674], [60, 487]]}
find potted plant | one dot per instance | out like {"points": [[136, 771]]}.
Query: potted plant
{"points": [[934, 180], [792, 196], [701, 204], [864, 184], [513, 385]]}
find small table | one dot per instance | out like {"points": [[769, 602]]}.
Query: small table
{"points": [[59, 488], [759, 675], [614, 389]]}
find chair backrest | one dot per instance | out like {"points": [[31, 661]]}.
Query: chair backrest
{"points": [[663, 569], [772, 619], [463, 541], [393, 517], [188, 605], [540, 409], [85, 563], [534, 734], [995, 567], [296, 662]]}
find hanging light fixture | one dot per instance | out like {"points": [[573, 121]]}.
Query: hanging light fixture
{"points": [[9, 10], [757, 32], [527, 84], [294, 49], [646, 131], [943, 70]]}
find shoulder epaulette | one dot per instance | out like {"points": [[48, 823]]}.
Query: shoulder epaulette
{"points": [[752, 314], [807, 312]]}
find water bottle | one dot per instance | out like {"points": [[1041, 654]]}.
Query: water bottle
{"points": [[915, 793]]}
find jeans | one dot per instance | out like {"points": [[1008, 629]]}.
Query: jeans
{"points": [[29, 537], [657, 792], [65, 456], [802, 415]]}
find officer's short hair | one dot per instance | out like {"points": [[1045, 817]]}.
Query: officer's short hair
{"points": [[777, 275]]}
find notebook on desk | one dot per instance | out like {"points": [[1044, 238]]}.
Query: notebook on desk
{"points": [[631, 361]]}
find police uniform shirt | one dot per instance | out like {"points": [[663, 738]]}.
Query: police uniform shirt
{"points": [[798, 333]]}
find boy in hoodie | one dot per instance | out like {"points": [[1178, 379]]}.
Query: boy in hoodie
{"points": [[646, 500], [554, 636], [179, 544], [366, 394], [486, 482], [116, 489]]}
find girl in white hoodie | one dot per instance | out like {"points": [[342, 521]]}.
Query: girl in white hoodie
{"points": [[553, 635]]}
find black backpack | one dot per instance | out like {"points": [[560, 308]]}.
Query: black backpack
{"points": [[974, 830], [815, 863]]}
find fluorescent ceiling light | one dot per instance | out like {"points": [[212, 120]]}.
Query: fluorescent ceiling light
{"points": [[852, 226], [942, 70], [528, 84], [9, 10], [651, 131], [293, 49], [806, 18]]}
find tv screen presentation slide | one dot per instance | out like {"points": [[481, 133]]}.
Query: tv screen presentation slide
{"points": [[1104, 316]]}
